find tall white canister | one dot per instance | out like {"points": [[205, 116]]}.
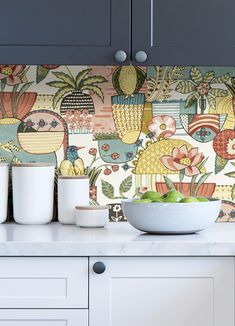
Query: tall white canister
{"points": [[33, 192], [72, 191], [4, 179]]}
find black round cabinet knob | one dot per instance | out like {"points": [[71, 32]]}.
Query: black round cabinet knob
{"points": [[99, 267]]}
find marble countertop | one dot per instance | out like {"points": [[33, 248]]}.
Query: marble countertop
{"points": [[117, 239]]}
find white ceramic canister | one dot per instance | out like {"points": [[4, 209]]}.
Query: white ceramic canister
{"points": [[72, 191], [4, 180], [92, 216], [33, 192]]}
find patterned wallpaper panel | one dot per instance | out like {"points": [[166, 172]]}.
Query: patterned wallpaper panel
{"points": [[128, 128]]}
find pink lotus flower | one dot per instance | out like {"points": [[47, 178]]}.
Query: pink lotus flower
{"points": [[182, 159], [162, 125], [11, 74]]}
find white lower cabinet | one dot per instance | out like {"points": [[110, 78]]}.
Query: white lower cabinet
{"points": [[40, 317], [162, 291]]}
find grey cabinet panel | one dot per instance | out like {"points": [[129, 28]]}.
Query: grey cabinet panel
{"points": [[64, 32], [184, 32]]}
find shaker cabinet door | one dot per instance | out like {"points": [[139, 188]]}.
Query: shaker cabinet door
{"points": [[64, 32], [162, 291], [184, 32], [37, 317]]}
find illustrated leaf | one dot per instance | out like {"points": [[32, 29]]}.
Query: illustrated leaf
{"points": [[94, 80], [41, 74], [24, 88], [107, 189], [126, 185], [81, 76], [57, 84], [60, 93], [203, 179], [202, 164], [220, 164], [23, 73], [230, 174], [196, 75], [211, 101], [185, 86], [191, 100], [233, 192], [231, 89], [233, 163], [209, 76], [221, 79], [170, 185], [66, 78], [96, 89], [218, 92]]}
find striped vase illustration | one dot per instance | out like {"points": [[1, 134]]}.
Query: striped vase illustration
{"points": [[202, 127]]}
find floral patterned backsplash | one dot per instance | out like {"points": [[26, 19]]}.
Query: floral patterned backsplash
{"points": [[130, 129]]}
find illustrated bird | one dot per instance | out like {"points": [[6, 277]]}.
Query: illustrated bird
{"points": [[128, 80], [73, 164]]}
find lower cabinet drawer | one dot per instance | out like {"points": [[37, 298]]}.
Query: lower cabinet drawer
{"points": [[43, 282], [34, 317]]}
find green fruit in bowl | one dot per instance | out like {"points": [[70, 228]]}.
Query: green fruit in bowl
{"points": [[172, 196], [139, 201], [189, 200], [202, 199], [158, 200], [152, 195]]}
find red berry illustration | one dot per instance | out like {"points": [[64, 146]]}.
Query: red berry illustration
{"points": [[107, 171]]}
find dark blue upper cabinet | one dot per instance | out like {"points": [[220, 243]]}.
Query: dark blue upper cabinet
{"points": [[183, 32], [65, 31]]}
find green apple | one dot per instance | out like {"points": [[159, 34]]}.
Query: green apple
{"points": [[152, 195], [172, 196], [189, 200], [158, 200], [202, 199], [139, 201]]}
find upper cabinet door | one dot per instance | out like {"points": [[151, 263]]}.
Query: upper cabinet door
{"points": [[183, 32], [65, 32]]}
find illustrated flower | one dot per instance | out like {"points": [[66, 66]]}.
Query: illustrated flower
{"points": [[224, 144], [54, 123], [42, 123], [126, 167], [150, 135], [115, 156], [203, 133], [107, 171], [29, 123], [105, 147], [117, 208], [182, 159], [115, 168], [139, 142], [11, 74], [68, 115], [92, 151], [129, 155], [200, 89], [162, 125], [85, 112]]}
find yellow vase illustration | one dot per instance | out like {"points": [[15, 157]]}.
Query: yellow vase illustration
{"points": [[128, 115]]}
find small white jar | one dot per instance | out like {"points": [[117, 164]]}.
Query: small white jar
{"points": [[33, 192], [72, 191], [92, 216], [4, 180]]}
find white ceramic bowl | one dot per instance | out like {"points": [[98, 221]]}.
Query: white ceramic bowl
{"points": [[171, 218]]}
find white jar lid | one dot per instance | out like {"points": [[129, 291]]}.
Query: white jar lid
{"points": [[91, 207]]}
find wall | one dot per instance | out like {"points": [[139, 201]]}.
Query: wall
{"points": [[130, 129]]}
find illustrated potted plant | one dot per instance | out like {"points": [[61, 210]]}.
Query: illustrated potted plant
{"points": [[202, 126], [15, 101], [71, 90], [189, 163]]}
